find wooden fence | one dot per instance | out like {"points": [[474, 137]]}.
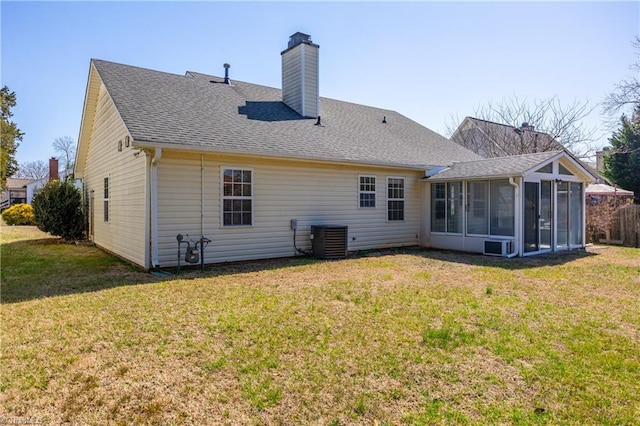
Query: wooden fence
{"points": [[625, 227]]}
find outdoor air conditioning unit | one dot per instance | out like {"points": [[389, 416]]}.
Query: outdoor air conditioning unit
{"points": [[497, 247], [329, 241]]}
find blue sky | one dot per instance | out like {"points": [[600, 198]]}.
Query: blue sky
{"points": [[430, 61]]}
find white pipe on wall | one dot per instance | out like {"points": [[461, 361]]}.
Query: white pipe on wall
{"points": [[154, 207]]}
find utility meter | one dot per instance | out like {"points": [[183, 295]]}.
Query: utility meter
{"points": [[192, 256]]}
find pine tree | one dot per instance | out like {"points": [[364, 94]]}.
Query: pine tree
{"points": [[622, 161], [9, 136]]}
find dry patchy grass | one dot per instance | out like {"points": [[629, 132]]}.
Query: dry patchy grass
{"points": [[404, 337]]}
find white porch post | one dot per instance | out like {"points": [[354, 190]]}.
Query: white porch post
{"points": [[518, 216]]}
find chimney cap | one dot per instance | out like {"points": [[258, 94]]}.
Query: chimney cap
{"points": [[226, 66], [297, 39]]}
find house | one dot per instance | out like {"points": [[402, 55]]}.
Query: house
{"points": [[489, 139], [54, 174], [15, 193], [254, 168], [598, 192]]}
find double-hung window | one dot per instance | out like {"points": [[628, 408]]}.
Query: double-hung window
{"points": [[367, 191], [237, 197], [395, 199]]}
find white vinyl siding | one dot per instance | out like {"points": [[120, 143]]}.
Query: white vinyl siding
{"points": [[125, 204], [314, 194]]}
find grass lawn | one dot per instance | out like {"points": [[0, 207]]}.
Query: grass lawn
{"points": [[402, 337]]}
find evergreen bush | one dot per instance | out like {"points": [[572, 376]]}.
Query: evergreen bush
{"points": [[58, 210]]}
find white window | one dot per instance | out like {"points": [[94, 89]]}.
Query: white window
{"points": [[106, 199], [446, 207], [367, 191], [438, 207], [502, 206], [237, 197], [478, 212], [395, 199], [454, 207]]}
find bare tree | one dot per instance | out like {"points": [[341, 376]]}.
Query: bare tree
{"points": [[35, 170], [627, 92], [516, 126], [66, 147]]}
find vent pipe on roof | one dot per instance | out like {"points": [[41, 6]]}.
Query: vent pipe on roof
{"points": [[226, 73]]}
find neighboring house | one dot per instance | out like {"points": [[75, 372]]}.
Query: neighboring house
{"points": [[15, 193], [489, 139], [162, 154], [34, 185], [603, 189], [598, 192]]}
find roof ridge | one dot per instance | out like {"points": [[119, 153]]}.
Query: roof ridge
{"points": [[509, 125], [93, 60], [276, 88], [530, 154]]}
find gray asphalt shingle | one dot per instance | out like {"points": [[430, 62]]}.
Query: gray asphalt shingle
{"points": [[495, 167], [198, 111]]}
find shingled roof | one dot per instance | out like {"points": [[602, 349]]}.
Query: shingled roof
{"points": [[199, 112], [516, 165], [490, 139]]}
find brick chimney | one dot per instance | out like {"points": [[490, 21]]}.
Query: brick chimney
{"points": [[53, 169]]}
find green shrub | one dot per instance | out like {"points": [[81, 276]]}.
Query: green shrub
{"points": [[19, 214], [58, 210]]}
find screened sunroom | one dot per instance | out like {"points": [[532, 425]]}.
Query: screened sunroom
{"points": [[520, 205]]}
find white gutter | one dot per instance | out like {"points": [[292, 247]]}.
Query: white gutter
{"points": [[286, 157], [154, 207]]}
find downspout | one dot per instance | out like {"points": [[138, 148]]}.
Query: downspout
{"points": [[518, 208], [584, 213], [202, 196], [154, 207]]}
